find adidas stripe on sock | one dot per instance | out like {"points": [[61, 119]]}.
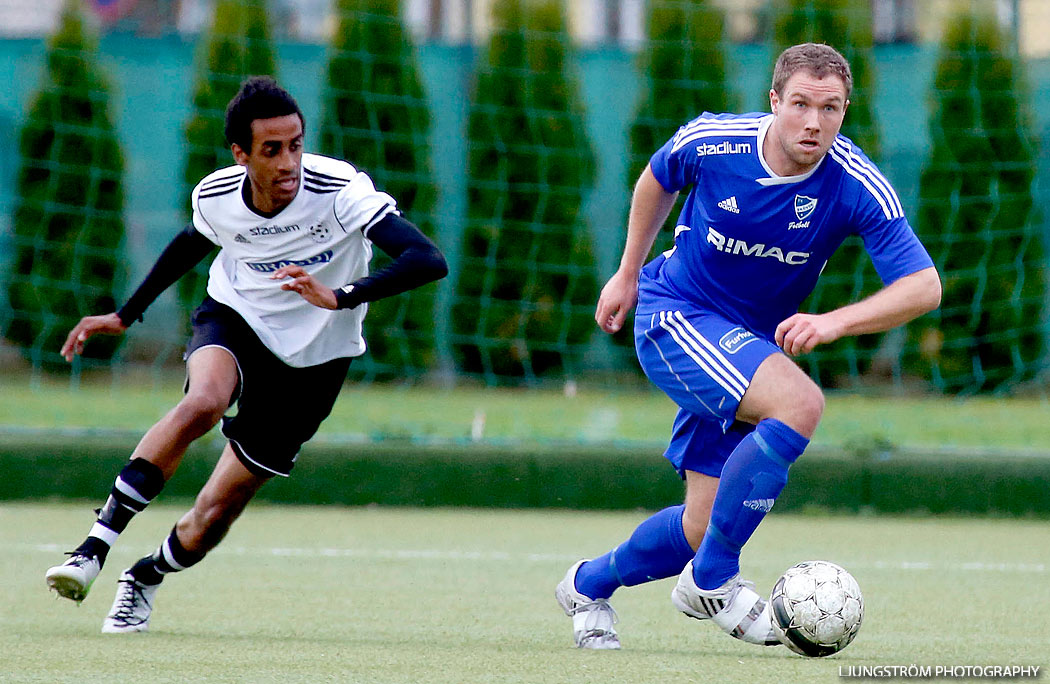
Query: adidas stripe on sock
{"points": [[137, 484]]}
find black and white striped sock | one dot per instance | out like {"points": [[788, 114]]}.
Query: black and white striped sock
{"points": [[137, 484], [168, 558]]}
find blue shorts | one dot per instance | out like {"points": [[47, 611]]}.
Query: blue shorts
{"points": [[704, 363]]}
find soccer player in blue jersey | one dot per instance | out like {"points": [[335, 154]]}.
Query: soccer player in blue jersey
{"points": [[773, 196]]}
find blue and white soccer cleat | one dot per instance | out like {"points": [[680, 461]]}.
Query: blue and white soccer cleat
{"points": [[592, 619], [735, 607], [73, 579], [132, 606]]}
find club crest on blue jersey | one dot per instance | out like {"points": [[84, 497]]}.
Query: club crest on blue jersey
{"points": [[804, 206]]}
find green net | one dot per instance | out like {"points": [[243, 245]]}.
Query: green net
{"points": [[489, 130], [68, 222], [525, 284], [375, 115], [976, 215]]}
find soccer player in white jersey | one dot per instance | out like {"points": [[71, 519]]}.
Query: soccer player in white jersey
{"points": [[287, 293], [773, 196]]}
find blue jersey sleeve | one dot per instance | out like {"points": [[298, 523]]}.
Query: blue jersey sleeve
{"points": [[878, 216], [675, 165], [891, 243]]}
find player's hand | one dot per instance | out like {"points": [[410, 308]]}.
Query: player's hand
{"points": [[801, 333], [308, 287], [107, 324], [618, 297]]}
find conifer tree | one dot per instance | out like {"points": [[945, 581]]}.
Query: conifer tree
{"points": [[524, 298], [238, 46], [376, 117], [68, 221], [976, 217]]}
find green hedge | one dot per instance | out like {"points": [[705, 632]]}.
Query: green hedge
{"points": [[82, 466]]}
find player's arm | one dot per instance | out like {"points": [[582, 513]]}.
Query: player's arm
{"points": [[416, 261], [185, 251], [651, 204], [899, 302]]}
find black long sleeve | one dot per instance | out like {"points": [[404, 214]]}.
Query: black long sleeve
{"points": [[184, 252], [416, 261]]}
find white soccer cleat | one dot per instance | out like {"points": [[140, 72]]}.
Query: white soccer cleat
{"points": [[73, 579], [735, 607], [592, 619], [131, 608]]}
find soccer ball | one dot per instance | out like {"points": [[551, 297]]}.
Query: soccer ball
{"points": [[816, 608]]}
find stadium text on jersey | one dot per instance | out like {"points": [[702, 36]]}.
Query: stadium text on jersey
{"points": [[724, 147]]}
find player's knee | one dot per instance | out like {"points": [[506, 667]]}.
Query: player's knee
{"points": [[199, 413], [806, 409], [812, 404], [694, 525]]}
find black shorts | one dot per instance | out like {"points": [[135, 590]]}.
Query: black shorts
{"points": [[278, 407]]}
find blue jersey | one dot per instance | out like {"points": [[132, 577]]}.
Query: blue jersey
{"points": [[749, 245]]}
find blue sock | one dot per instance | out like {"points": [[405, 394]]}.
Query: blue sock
{"points": [[752, 478], [657, 549]]}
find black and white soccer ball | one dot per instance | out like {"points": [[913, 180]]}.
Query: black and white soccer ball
{"points": [[816, 608]]}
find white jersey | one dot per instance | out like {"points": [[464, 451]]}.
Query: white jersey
{"points": [[324, 230]]}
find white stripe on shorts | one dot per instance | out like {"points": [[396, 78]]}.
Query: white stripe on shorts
{"points": [[701, 357], [673, 372], [715, 359], [713, 349]]}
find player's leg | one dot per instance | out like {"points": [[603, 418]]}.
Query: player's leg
{"points": [[706, 365], [663, 543], [261, 445], [657, 548], [700, 492], [212, 378], [786, 405], [222, 499]]}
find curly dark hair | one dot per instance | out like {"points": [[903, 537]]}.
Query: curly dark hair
{"points": [[259, 98]]}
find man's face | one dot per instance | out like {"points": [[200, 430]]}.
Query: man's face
{"points": [[809, 115], [274, 161]]}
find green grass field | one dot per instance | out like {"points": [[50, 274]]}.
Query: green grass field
{"points": [[381, 595], [382, 411]]}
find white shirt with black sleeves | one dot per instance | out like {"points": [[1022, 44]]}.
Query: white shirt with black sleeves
{"points": [[324, 230]]}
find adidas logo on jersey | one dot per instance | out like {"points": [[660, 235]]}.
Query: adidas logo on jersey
{"points": [[241, 238], [729, 204]]}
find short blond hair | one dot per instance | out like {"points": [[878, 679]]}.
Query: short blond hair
{"points": [[816, 58]]}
